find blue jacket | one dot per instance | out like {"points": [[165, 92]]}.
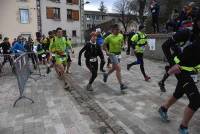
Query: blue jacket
{"points": [[18, 47], [100, 40]]}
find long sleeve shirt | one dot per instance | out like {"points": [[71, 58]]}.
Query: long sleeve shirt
{"points": [[91, 51]]}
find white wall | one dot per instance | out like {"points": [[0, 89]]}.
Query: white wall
{"points": [[10, 25], [50, 24]]}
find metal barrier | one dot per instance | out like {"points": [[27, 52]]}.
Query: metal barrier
{"points": [[22, 71]]}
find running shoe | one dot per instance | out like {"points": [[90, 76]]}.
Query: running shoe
{"points": [[128, 67], [105, 77], [183, 131], [89, 87], [123, 88], [147, 78], [163, 115]]}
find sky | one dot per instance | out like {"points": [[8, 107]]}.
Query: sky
{"points": [[94, 5]]}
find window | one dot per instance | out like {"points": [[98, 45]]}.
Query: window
{"points": [[23, 0], [97, 17], [88, 26], [53, 13], [74, 33], [75, 2], [72, 15], [24, 16], [69, 1], [58, 1], [69, 14]]}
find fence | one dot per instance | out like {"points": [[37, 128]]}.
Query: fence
{"points": [[22, 71]]}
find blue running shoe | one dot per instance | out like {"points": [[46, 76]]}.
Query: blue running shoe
{"points": [[105, 77], [183, 131], [163, 115]]}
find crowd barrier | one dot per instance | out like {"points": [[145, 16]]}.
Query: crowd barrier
{"points": [[24, 66]]}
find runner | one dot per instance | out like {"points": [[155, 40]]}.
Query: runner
{"points": [[47, 42], [139, 41], [115, 42], [187, 64], [92, 50], [5, 45], [39, 48], [58, 47], [100, 42], [69, 51], [181, 38]]}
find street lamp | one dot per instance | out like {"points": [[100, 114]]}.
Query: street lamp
{"points": [[82, 27]]}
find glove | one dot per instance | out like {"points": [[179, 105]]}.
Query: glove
{"points": [[79, 62]]}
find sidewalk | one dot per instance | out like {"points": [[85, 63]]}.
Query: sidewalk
{"points": [[54, 110]]}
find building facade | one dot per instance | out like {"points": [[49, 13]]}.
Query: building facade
{"points": [[95, 18], [61, 13], [18, 17]]}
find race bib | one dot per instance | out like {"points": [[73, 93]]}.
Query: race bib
{"points": [[119, 56], [194, 77], [44, 55], [93, 59]]}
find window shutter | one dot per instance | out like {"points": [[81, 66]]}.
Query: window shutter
{"points": [[76, 2], [50, 14], [75, 15]]}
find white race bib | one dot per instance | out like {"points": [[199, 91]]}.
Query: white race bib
{"points": [[93, 59], [194, 77]]}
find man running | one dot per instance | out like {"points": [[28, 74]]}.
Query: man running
{"points": [[180, 39], [58, 47], [186, 65], [139, 41], [115, 42]]}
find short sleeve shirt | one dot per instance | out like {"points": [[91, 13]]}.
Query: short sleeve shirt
{"points": [[115, 43]]}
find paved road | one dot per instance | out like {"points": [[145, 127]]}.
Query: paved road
{"points": [[57, 111], [136, 111]]}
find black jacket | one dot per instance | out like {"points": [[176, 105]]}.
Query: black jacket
{"points": [[5, 47], [175, 43], [91, 51]]}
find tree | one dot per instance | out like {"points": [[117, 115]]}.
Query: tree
{"points": [[123, 8], [138, 7], [102, 9]]}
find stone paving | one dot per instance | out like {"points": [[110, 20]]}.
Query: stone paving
{"points": [[136, 111], [54, 110], [104, 111]]}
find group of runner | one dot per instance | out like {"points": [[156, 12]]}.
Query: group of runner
{"points": [[181, 51]]}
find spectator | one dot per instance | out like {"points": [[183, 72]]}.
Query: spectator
{"points": [[183, 15], [5, 45], [18, 47], [155, 11], [99, 42], [173, 21]]}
